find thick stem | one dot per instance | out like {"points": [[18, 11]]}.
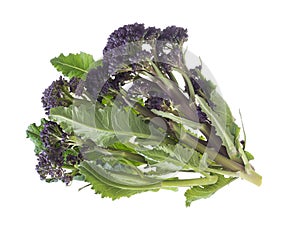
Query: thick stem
{"points": [[184, 106], [189, 140], [145, 112], [215, 142], [173, 92], [86, 168], [190, 182], [229, 164]]}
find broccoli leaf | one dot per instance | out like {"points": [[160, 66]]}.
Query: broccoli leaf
{"points": [[104, 125], [223, 121], [171, 158], [141, 130], [33, 133], [115, 184], [178, 119], [101, 184], [95, 153], [200, 192], [160, 163], [187, 156], [249, 155], [73, 65]]}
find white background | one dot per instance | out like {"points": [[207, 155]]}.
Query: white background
{"points": [[252, 49]]}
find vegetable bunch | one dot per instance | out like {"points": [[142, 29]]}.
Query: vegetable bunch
{"points": [[138, 120]]}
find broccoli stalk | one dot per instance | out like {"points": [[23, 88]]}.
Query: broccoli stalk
{"points": [[125, 125]]}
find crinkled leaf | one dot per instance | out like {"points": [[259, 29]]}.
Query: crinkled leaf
{"points": [[73, 65], [188, 158], [123, 146], [182, 154], [95, 153], [200, 192], [178, 119], [223, 121], [160, 163], [102, 186], [98, 153], [171, 158], [152, 155], [109, 185], [33, 133], [102, 125]]}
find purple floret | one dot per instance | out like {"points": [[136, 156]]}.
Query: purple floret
{"points": [[151, 33], [58, 93], [54, 140], [55, 95], [174, 34], [55, 156], [201, 115], [126, 34], [157, 103]]}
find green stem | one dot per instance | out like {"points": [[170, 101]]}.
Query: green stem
{"points": [[229, 164], [89, 171], [85, 186], [214, 141], [187, 139], [190, 182], [183, 104], [69, 167], [188, 83], [180, 100], [214, 155], [145, 112]]}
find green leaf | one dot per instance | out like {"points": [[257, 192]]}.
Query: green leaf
{"points": [[102, 186], [207, 86], [123, 146], [178, 119], [159, 162], [249, 155], [33, 133], [79, 177], [104, 126], [95, 153], [223, 121], [188, 157], [152, 155], [115, 185], [166, 159], [201, 192], [95, 64], [73, 65]]}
